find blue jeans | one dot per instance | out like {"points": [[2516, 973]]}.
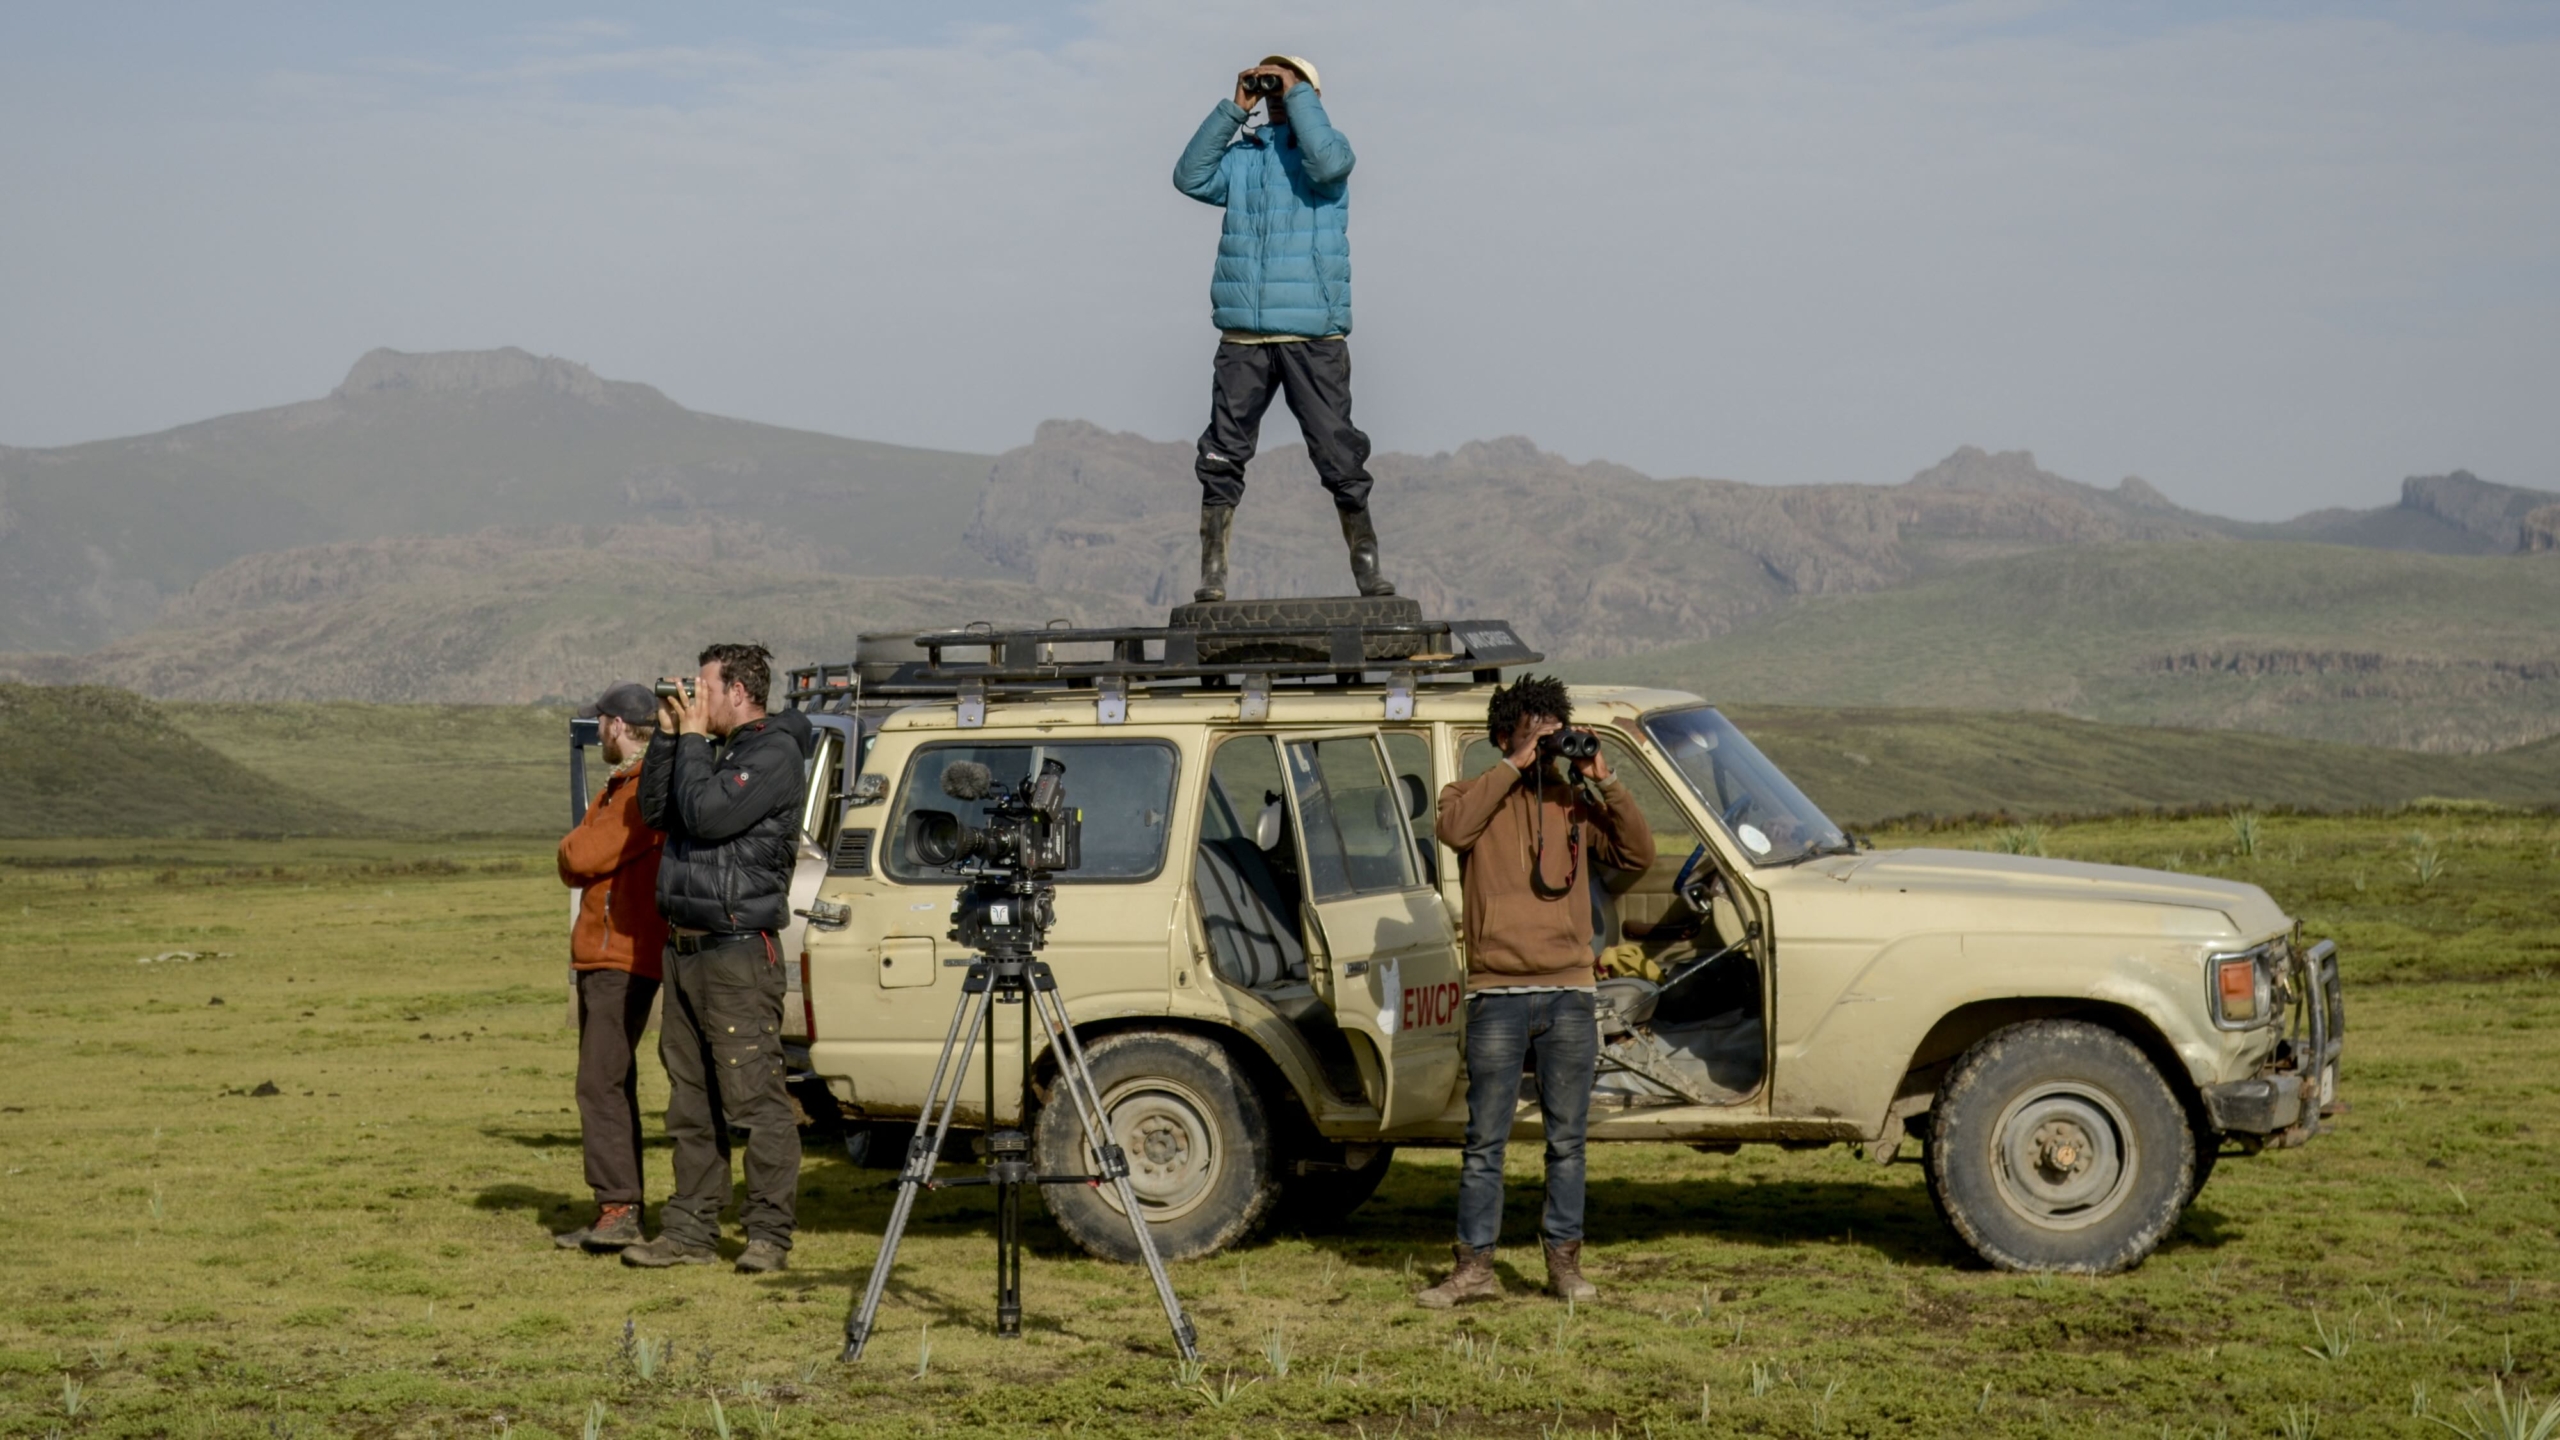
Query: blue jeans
{"points": [[1502, 1029]]}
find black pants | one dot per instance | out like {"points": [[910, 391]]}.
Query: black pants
{"points": [[1315, 375], [613, 1010], [721, 1039]]}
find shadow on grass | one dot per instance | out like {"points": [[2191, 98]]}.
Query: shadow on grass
{"points": [[1411, 1215]]}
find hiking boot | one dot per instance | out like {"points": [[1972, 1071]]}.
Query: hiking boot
{"points": [[667, 1250], [1473, 1279], [1217, 523], [616, 1226], [1564, 1273], [763, 1257], [1361, 535]]}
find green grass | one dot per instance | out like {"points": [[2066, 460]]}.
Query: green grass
{"points": [[441, 769], [364, 1252], [89, 761], [1870, 766], [2082, 630], [85, 760]]}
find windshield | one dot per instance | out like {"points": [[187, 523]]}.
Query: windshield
{"points": [[1757, 805]]}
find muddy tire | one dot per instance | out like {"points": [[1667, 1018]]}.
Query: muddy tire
{"points": [[1199, 1144], [1324, 1199], [2057, 1145]]}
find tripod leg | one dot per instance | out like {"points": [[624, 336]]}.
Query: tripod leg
{"points": [[1077, 1077], [922, 1154], [1008, 1173]]}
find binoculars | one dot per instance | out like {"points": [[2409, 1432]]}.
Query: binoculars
{"points": [[1265, 84], [1569, 745]]}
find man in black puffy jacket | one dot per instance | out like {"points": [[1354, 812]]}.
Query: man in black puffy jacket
{"points": [[724, 780]]}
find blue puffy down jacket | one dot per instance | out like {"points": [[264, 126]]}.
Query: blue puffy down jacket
{"points": [[1284, 255]]}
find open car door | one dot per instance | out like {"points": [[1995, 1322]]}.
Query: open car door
{"points": [[831, 766], [1379, 947]]}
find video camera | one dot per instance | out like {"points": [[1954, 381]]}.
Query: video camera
{"points": [[1031, 833]]}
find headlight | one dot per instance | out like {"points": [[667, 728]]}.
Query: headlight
{"points": [[2240, 986]]}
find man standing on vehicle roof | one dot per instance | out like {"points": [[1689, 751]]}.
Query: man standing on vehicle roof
{"points": [[1519, 832], [616, 949], [724, 780], [1281, 299]]}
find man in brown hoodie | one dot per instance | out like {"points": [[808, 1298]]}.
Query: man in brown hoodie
{"points": [[616, 949], [1525, 832]]}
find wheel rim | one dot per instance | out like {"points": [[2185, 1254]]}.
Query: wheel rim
{"points": [[2064, 1156], [1164, 1129]]}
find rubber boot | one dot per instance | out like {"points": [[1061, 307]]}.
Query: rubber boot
{"points": [[1472, 1279], [1362, 537], [1217, 522]]}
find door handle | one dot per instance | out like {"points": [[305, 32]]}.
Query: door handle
{"points": [[827, 914], [1354, 968]]}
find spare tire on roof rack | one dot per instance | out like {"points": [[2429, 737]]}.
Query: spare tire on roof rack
{"points": [[1391, 628]]}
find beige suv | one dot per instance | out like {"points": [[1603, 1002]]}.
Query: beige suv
{"points": [[1262, 953]]}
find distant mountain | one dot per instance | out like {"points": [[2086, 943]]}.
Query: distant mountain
{"points": [[508, 617], [2456, 514], [2421, 652], [494, 526], [95, 538], [1591, 559]]}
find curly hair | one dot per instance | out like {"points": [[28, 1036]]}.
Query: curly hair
{"points": [[1529, 695], [749, 665]]}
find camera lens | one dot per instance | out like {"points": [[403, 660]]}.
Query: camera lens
{"points": [[938, 837]]}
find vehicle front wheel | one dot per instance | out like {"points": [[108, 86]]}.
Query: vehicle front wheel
{"points": [[2057, 1145], [1198, 1141]]}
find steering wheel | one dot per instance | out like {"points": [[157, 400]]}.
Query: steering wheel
{"points": [[1741, 806], [1695, 897]]}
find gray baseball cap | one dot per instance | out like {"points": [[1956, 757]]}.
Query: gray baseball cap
{"points": [[627, 701]]}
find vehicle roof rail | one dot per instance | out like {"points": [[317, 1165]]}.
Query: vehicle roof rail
{"points": [[1222, 655]]}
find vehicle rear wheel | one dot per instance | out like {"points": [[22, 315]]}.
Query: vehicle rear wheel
{"points": [[2057, 1145], [1198, 1141], [1322, 1199]]}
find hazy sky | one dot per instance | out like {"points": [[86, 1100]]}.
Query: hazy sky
{"points": [[2268, 260]]}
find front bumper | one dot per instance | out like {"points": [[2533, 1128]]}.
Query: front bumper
{"points": [[2284, 1103]]}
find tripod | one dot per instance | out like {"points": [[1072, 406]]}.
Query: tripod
{"points": [[1008, 973]]}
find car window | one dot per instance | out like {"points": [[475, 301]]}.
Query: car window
{"points": [[1409, 757], [1674, 833], [1351, 818], [1124, 788]]}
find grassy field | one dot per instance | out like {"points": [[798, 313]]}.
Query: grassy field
{"points": [[319, 1207], [1875, 766], [2423, 652], [93, 761]]}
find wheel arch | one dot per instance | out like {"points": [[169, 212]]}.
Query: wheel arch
{"points": [[1959, 1029], [1259, 1068]]}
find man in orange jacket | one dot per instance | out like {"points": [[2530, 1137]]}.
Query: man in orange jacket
{"points": [[616, 949]]}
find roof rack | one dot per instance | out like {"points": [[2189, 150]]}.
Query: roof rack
{"points": [[980, 663]]}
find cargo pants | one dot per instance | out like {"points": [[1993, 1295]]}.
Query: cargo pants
{"points": [[720, 1036], [1315, 377]]}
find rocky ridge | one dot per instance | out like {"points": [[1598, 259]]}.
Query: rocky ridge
{"points": [[1593, 559]]}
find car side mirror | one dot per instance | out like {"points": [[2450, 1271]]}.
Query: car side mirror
{"points": [[1266, 827]]}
